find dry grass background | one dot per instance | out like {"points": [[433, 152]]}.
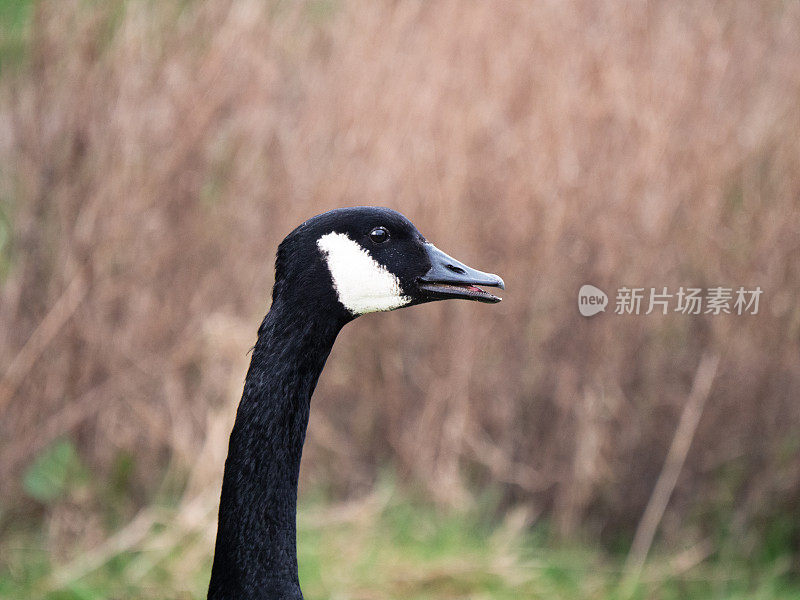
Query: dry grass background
{"points": [[154, 154]]}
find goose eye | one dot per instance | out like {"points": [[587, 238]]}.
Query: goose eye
{"points": [[379, 235]]}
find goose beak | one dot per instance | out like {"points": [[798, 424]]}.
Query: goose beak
{"points": [[449, 278]]}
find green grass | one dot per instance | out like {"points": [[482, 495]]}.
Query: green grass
{"points": [[384, 547], [15, 16]]}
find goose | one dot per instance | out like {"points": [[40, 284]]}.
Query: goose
{"points": [[333, 268]]}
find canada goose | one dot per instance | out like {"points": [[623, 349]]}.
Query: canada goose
{"points": [[331, 269]]}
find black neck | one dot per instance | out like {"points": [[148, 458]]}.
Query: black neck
{"points": [[255, 555]]}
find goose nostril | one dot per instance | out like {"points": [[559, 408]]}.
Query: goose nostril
{"points": [[456, 269]]}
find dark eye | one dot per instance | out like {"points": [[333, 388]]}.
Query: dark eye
{"points": [[379, 235]]}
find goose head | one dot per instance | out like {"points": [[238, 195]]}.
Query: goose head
{"points": [[369, 259]]}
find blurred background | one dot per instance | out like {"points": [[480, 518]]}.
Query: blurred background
{"points": [[154, 154]]}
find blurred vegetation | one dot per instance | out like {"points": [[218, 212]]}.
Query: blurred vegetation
{"points": [[383, 545], [153, 155], [14, 23]]}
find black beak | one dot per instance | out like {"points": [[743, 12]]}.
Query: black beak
{"points": [[449, 278]]}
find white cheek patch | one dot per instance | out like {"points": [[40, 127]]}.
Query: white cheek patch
{"points": [[361, 283]]}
